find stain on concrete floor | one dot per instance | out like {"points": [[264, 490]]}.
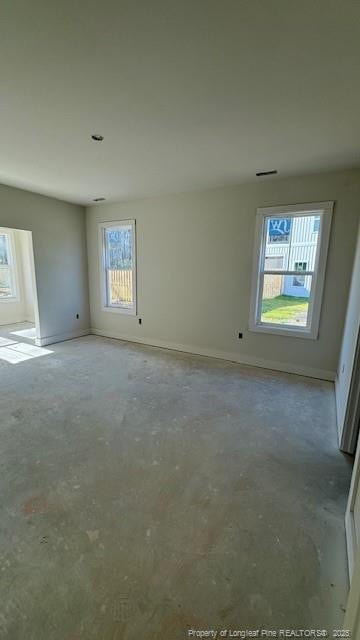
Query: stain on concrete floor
{"points": [[146, 492]]}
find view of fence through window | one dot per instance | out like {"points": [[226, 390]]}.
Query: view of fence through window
{"points": [[291, 246], [5, 268], [119, 261]]}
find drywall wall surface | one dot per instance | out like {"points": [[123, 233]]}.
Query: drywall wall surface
{"points": [[59, 243], [349, 342], [194, 261]]}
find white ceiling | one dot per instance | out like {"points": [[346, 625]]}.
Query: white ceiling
{"points": [[187, 93]]}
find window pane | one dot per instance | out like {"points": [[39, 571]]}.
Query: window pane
{"points": [[5, 283], [291, 241], [120, 287], [274, 262], [119, 261], [299, 280], [316, 227], [4, 252], [285, 303], [279, 230], [119, 249]]}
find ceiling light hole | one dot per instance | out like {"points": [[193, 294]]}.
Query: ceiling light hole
{"points": [[99, 199], [97, 137]]}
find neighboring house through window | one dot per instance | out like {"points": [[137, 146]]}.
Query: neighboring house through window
{"points": [[274, 262], [279, 230], [316, 226], [289, 268]]}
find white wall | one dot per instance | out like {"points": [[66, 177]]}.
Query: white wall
{"points": [[194, 255], [348, 348], [59, 243]]}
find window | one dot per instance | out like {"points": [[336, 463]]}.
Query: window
{"points": [[316, 226], [7, 266], [287, 292], [299, 280], [118, 266]]}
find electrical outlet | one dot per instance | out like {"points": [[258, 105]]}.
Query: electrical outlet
{"points": [[240, 336]]}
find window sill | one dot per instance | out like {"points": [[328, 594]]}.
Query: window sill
{"points": [[122, 310], [286, 331], [10, 299]]}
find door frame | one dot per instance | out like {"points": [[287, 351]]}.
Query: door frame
{"points": [[347, 384], [349, 515], [350, 429], [352, 616]]}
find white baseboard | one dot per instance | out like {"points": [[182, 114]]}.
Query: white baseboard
{"points": [[43, 342], [222, 355], [5, 323]]}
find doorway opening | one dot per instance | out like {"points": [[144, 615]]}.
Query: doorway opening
{"points": [[19, 314]]}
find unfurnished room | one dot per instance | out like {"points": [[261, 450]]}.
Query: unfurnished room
{"points": [[179, 319]]}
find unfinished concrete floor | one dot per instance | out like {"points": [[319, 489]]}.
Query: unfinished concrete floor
{"points": [[146, 492]]}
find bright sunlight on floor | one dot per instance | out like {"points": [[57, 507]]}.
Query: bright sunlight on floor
{"points": [[13, 351]]}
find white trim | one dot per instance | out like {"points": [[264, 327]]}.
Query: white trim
{"points": [[351, 624], [324, 209], [348, 424], [103, 286], [297, 209], [42, 342], [119, 309], [309, 372], [348, 392], [11, 299], [351, 542], [276, 330]]}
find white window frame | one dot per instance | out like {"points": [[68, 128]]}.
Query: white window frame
{"points": [[116, 308], [12, 266], [324, 210]]}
